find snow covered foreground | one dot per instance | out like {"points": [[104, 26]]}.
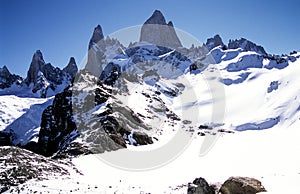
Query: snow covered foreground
{"points": [[270, 155]]}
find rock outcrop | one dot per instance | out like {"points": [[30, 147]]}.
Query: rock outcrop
{"points": [[156, 31], [246, 45], [214, 42], [18, 166], [200, 186], [71, 68]]}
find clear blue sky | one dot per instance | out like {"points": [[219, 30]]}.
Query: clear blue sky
{"points": [[62, 28]]}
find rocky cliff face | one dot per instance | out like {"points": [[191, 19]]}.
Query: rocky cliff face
{"points": [[156, 31], [58, 128], [7, 79]]}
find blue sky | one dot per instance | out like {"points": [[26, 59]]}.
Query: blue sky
{"points": [[62, 28]]}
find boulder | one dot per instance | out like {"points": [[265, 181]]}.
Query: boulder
{"points": [[200, 186], [242, 185]]}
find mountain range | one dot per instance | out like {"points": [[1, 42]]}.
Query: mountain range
{"points": [[141, 95]]}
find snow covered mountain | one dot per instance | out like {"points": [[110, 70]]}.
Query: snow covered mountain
{"points": [[140, 98]]}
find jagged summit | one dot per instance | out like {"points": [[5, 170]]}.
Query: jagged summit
{"points": [[156, 31], [4, 70], [44, 76], [97, 53], [97, 36], [156, 18], [246, 45], [36, 64], [71, 68], [6, 78], [214, 42]]}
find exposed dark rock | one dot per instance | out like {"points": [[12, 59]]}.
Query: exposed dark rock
{"points": [[73, 149], [141, 138], [7, 79], [156, 31], [204, 127], [19, 165], [44, 76], [246, 45], [58, 128], [36, 64], [214, 42], [245, 185], [71, 68], [96, 37], [110, 74], [4, 139], [200, 186]]}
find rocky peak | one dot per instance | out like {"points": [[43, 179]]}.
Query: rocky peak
{"points": [[156, 18], [214, 42], [246, 45], [4, 71], [156, 31], [38, 56], [44, 76], [71, 68], [36, 64], [6, 78], [170, 24], [97, 36]]}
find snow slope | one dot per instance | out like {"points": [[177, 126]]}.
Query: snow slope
{"points": [[274, 161], [22, 116]]}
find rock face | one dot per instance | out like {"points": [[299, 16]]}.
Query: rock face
{"points": [[71, 68], [5, 139], [214, 42], [7, 79], [36, 64], [200, 186], [243, 185], [71, 116], [246, 45], [156, 31], [96, 37], [44, 76], [58, 128]]}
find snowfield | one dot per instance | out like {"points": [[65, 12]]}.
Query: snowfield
{"points": [[271, 156], [22, 115]]}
